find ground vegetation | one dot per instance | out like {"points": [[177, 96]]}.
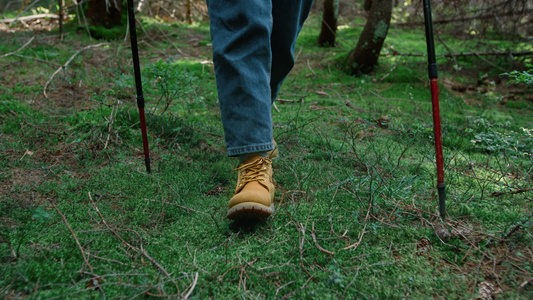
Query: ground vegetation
{"points": [[356, 200]]}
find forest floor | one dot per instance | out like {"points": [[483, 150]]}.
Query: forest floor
{"points": [[356, 204]]}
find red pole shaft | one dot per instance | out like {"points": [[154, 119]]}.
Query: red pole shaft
{"points": [[433, 75], [437, 130]]}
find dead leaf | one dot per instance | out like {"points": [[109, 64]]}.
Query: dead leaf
{"points": [[424, 245], [94, 283], [383, 122], [217, 190], [443, 233], [486, 291]]}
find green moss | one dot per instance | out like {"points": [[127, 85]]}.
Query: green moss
{"points": [[381, 31]]}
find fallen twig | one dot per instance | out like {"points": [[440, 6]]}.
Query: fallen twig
{"points": [[41, 129], [64, 66], [176, 192], [309, 66], [283, 101], [387, 75], [478, 17], [516, 227], [301, 233], [74, 236], [450, 51], [523, 284], [111, 119], [482, 53], [362, 233], [496, 194], [316, 242], [37, 59], [130, 246], [106, 259], [275, 107], [490, 53], [19, 49], [29, 18], [449, 222], [281, 287], [298, 55]]}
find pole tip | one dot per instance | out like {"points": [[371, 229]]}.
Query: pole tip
{"points": [[147, 163], [441, 188]]}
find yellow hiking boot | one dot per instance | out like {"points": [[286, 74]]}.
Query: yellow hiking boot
{"points": [[254, 195]]}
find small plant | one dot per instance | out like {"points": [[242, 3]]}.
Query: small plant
{"points": [[171, 80], [495, 138], [525, 77]]}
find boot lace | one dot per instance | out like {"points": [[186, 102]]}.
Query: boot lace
{"points": [[254, 171]]}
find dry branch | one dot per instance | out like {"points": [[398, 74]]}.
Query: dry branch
{"points": [[175, 192], [490, 53], [74, 236], [489, 16], [516, 227], [316, 242], [449, 222], [19, 49], [41, 129], [130, 246], [110, 121], [362, 233], [301, 240], [64, 66], [481, 53], [29, 18], [496, 194], [37, 59]]}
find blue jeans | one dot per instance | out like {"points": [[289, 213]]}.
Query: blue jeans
{"points": [[253, 52]]}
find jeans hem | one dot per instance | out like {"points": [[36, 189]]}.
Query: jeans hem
{"points": [[232, 152]]}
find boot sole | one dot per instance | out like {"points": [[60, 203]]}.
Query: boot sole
{"points": [[250, 210]]}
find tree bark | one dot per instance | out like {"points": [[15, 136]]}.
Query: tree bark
{"points": [[328, 32], [188, 12], [367, 5], [102, 15], [60, 3], [365, 55]]}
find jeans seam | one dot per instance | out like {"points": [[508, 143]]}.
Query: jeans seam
{"points": [[236, 151]]}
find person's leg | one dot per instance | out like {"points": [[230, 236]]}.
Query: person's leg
{"points": [[288, 19], [243, 51], [240, 31]]}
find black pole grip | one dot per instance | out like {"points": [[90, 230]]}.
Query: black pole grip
{"points": [[147, 164], [135, 54], [430, 42], [441, 190], [138, 83]]}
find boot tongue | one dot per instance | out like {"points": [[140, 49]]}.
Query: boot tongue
{"points": [[252, 159]]}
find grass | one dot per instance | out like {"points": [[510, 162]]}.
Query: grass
{"points": [[355, 182]]}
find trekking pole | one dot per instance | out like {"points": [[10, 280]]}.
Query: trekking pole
{"points": [[433, 75], [138, 83]]}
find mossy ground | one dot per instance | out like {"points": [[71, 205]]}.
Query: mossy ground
{"points": [[356, 202]]}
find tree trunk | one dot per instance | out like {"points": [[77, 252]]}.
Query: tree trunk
{"points": [[365, 55], [102, 15], [328, 32], [367, 5], [188, 12], [60, 4]]}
